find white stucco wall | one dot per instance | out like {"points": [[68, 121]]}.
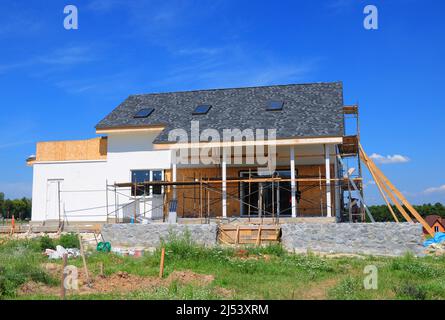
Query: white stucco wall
{"points": [[134, 151], [83, 183], [82, 186]]}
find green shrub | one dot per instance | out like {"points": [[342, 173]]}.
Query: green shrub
{"points": [[410, 291], [348, 288], [411, 266], [69, 240], [47, 243]]}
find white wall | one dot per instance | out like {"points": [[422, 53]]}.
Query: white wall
{"points": [[83, 189], [134, 151]]}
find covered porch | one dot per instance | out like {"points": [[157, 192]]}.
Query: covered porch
{"points": [[306, 181]]}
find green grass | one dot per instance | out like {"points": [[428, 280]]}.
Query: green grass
{"points": [[253, 273], [20, 262]]}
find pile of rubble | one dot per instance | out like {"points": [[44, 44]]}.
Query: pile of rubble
{"points": [[436, 249]]}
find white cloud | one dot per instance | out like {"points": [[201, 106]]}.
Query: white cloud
{"points": [[369, 183], [389, 159], [440, 189], [57, 59]]}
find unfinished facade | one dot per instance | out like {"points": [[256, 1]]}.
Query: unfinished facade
{"points": [[147, 164]]}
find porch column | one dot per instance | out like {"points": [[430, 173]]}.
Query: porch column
{"points": [[292, 182], [328, 180], [224, 184], [337, 187], [172, 214], [174, 173]]}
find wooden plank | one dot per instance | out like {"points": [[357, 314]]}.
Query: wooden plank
{"points": [[372, 167], [378, 183], [401, 197], [258, 241], [91, 149]]}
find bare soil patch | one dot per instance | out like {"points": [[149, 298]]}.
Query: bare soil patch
{"points": [[120, 282], [317, 291]]}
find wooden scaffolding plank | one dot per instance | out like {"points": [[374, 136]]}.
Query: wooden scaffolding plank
{"points": [[255, 235], [399, 195], [372, 168]]}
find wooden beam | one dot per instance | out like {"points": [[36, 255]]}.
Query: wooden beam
{"points": [[276, 142], [371, 167], [378, 183], [130, 129], [401, 197]]}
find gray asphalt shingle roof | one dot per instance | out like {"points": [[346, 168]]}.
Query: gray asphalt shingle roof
{"points": [[310, 110]]}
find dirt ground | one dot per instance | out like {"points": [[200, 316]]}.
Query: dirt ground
{"points": [[120, 282], [319, 290]]}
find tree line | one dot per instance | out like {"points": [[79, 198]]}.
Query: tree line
{"points": [[381, 213], [20, 208]]}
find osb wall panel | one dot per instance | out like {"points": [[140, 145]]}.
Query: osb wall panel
{"points": [[313, 197], [91, 149]]}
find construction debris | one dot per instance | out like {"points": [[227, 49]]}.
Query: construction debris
{"points": [[60, 251], [439, 238]]}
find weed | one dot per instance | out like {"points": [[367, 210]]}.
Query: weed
{"points": [[410, 291], [69, 240]]}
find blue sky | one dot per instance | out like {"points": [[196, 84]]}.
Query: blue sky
{"points": [[57, 84]]}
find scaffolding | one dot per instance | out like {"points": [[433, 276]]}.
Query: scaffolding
{"points": [[351, 197]]}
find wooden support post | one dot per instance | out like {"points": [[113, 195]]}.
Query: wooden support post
{"points": [[273, 200], [237, 235], [278, 201], [379, 186], [200, 196], [62, 283], [371, 167], [293, 185], [328, 180], [208, 205], [101, 269], [258, 239], [82, 253], [400, 196], [161, 266], [260, 200], [224, 183], [250, 191]]}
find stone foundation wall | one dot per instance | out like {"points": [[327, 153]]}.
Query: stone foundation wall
{"points": [[390, 239], [150, 235]]}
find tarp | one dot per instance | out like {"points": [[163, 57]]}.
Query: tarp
{"points": [[439, 237]]}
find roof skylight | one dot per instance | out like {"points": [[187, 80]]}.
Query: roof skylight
{"points": [[202, 109], [143, 113], [274, 105]]}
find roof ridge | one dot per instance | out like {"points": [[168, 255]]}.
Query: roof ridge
{"points": [[238, 88]]}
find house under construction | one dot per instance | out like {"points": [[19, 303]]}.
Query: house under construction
{"points": [[284, 152]]}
